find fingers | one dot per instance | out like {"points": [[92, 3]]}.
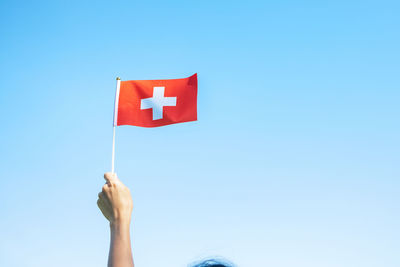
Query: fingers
{"points": [[104, 200], [111, 177], [105, 187], [101, 195], [104, 208], [99, 203], [101, 200]]}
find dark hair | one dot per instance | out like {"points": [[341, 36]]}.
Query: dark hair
{"points": [[212, 263]]}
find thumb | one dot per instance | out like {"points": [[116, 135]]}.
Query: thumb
{"points": [[111, 177]]}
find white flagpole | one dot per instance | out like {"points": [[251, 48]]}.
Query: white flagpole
{"points": [[115, 122]]}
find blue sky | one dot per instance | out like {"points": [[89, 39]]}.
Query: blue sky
{"points": [[294, 160]]}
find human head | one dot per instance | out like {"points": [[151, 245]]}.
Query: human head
{"points": [[212, 263]]}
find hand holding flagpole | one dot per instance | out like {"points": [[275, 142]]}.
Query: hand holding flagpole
{"points": [[115, 122]]}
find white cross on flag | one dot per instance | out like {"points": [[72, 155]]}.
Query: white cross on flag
{"points": [[158, 102]]}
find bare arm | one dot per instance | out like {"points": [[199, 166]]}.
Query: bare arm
{"points": [[115, 202]]}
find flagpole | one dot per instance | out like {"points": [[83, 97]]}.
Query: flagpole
{"points": [[115, 122]]}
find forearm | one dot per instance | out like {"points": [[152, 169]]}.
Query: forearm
{"points": [[120, 254]]}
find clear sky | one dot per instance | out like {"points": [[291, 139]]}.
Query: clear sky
{"points": [[294, 159]]}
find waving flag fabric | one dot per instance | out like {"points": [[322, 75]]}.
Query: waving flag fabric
{"points": [[153, 103]]}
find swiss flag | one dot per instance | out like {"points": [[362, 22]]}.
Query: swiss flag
{"points": [[153, 103]]}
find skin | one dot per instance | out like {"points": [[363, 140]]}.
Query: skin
{"points": [[115, 202]]}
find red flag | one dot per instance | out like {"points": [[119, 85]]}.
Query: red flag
{"points": [[153, 103]]}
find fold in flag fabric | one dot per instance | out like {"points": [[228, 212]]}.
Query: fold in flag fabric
{"points": [[153, 103]]}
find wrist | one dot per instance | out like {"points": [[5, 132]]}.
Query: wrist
{"points": [[122, 224]]}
